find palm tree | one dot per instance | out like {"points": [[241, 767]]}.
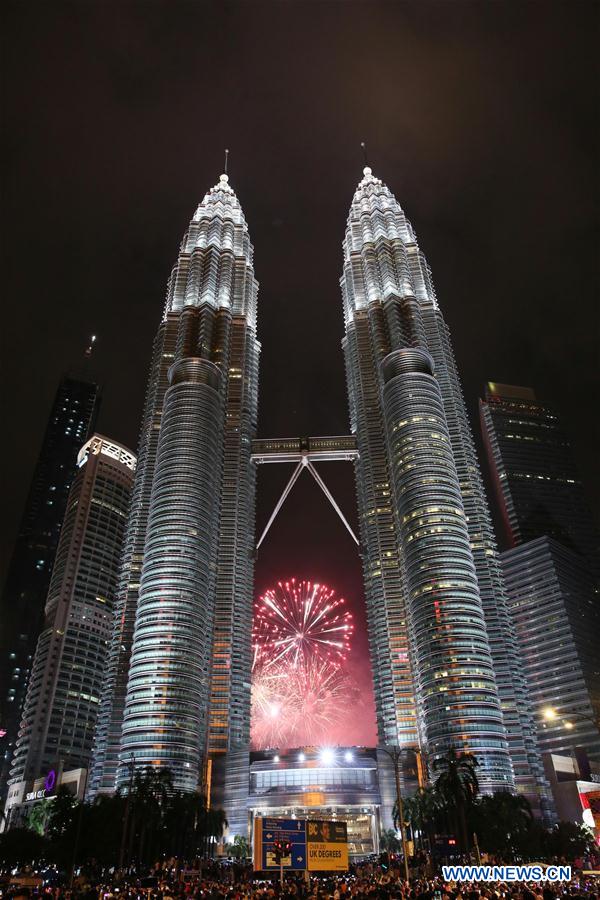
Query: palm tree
{"points": [[389, 841], [215, 822], [502, 823], [182, 825], [420, 812], [152, 790], [457, 786]]}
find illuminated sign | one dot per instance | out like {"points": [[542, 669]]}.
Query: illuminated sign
{"points": [[316, 845], [268, 833], [47, 790], [327, 846], [590, 802]]}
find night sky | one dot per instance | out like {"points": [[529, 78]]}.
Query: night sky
{"points": [[480, 118]]}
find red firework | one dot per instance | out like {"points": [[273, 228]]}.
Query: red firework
{"points": [[297, 705], [299, 622]]}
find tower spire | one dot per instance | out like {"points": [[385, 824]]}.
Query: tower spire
{"points": [[367, 170], [226, 160], [90, 348], [364, 153]]}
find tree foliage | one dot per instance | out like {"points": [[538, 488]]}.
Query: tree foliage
{"points": [[240, 848], [503, 822], [390, 841], [457, 787], [21, 846], [568, 840], [149, 821]]}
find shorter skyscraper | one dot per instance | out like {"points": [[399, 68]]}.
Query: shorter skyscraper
{"points": [[72, 420], [63, 693], [537, 485], [554, 605]]}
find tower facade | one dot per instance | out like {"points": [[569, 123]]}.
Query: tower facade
{"points": [[63, 693], [554, 603], [537, 485], [177, 688], [443, 651], [72, 419]]}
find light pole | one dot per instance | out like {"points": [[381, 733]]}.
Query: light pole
{"points": [[395, 755], [131, 768], [82, 801]]}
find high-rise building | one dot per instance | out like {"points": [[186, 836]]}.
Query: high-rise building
{"points": [[63, 692], [71, 421], [443, 650], [177, 689], [554, 604], [444, 653], [536, 482]]}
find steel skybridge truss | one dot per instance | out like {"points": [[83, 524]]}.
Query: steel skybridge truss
{"points": [[305, 452]]}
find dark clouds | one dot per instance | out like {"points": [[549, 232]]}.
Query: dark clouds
{"points": [[479, 116]]}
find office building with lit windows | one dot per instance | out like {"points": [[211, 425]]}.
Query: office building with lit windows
{"points": [[443, 650], [554, 605], [536, 482], [72, 419], [551, 568], [63, 693], [177, 690]]}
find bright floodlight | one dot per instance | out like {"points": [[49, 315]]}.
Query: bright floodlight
{"points": [[549, 713], [275, 758], [301, 757], [568, 725], [348, 756], [327, 756]]}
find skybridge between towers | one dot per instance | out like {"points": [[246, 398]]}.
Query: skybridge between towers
{"points": [[305, 452]]}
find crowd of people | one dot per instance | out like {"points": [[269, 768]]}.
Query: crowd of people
{"points": [[374, 880]]}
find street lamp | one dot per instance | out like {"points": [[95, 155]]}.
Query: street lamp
{"points": [[395, 755], [551, 715]]}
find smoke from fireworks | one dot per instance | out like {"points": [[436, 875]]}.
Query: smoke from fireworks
{"points": [[299, 621], [301, 692]]}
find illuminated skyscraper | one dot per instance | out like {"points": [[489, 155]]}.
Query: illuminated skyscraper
{"points": [[443, 651], [71, 421], [63, 692], [536, 482], [178, 677], [554, 603], [552, 565]]}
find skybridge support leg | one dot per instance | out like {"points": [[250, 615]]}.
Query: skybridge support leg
{"points": [[329, 496], [294, 478]]}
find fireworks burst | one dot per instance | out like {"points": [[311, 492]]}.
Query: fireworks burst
{"points": [[298, 622], [294, 705], [273, 717]]}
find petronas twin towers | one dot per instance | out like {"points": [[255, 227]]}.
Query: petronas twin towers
{"points": [[444, 658]]}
